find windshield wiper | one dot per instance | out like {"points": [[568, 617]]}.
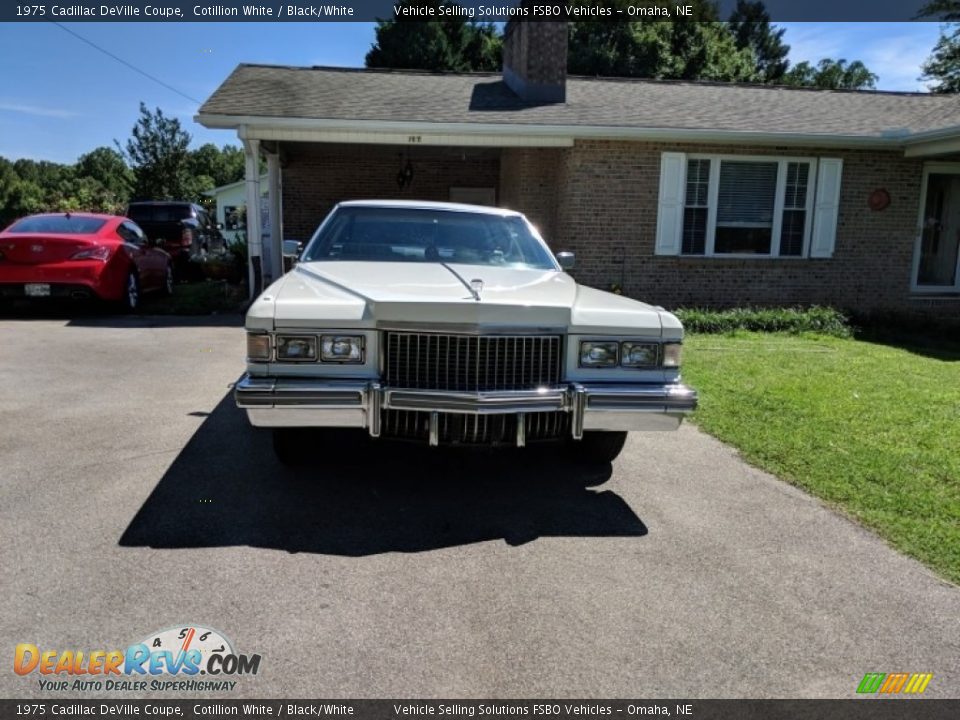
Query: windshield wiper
{"points": [[468, 286]]}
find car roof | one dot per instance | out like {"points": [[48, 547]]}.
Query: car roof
{"points": [[153, 203], [430, 205]]}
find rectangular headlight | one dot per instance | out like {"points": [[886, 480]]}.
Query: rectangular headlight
{"points": [[258, 347], [297, 348], [599, 354], [639, 354], [672, 354], [341, 348]]}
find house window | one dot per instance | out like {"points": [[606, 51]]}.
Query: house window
{"points": [[696, 211], [746, 206], [233, 217]]}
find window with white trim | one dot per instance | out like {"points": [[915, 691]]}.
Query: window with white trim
{"points": [[747, 206]]}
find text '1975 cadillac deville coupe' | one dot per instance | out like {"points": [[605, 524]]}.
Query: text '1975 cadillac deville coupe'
{"points": [[454, 324]]}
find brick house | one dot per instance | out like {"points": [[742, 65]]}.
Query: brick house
{"points": [[679, 193]]}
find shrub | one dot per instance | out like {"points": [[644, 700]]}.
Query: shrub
{"points": [[824, 320]]}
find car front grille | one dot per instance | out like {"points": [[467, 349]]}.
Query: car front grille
{"points": [[456, 429], [471, 363]]}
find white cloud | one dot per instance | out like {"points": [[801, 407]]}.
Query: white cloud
{"points": [[894, 51], [36, 110], [897, 60], [812, 41]]}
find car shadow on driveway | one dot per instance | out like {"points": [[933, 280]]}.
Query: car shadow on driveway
{"points": [[362, 497]]}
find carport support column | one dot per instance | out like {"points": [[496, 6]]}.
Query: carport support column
{"points": [[276, 214], [251, 153]]}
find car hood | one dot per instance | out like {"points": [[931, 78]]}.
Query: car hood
{"points": [[372, 294]]}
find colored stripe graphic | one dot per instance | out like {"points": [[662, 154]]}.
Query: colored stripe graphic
{"points": [[893, 683], [918, 683], [871, 682]]}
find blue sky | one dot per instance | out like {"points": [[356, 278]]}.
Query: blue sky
{"points": [[61, 98]]}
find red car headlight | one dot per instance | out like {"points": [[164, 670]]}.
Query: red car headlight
{"points": [[98, 252]]}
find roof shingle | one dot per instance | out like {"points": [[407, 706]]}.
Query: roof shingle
{"points": [[354, 94]]}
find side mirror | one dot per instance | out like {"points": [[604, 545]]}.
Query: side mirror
{"points": [[567, 260], [292, 248]]}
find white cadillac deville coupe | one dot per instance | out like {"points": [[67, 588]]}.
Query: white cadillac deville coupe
{"points": [[454, 324]]}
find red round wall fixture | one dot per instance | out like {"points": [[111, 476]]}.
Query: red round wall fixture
{"points": [[879, 199]]}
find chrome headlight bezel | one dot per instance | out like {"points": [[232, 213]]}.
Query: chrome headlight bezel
{"points": [[356, 344], [587, 348], [661, 354], [653, 358], [285, 340]]}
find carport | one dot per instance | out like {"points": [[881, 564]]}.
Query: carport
{"points": [[313, 163]]}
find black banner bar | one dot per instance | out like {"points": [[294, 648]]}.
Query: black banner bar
{"points": [[489, 11], [859, 709]]}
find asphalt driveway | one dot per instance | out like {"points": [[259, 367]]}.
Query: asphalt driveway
{"points": [[134, 497]]}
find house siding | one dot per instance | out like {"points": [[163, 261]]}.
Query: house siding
{"points": [[607, 214], [316, 177], [528, 182], [599, 199]]}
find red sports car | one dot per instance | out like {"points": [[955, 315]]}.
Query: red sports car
{"points": [[81, 255]]}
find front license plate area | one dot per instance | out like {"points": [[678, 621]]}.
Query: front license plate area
{"points": [[36, 290]]}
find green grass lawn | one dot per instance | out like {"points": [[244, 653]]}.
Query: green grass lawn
{"points": [[872, 429]]}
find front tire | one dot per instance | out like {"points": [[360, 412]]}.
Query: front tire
{"points": [[168, 281], [600, 447], [130, 300]]}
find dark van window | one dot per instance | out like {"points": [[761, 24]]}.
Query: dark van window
{"points": [[158, 213], [72, 225]]}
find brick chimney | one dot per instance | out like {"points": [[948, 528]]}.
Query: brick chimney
{"points": [[535, 60]]}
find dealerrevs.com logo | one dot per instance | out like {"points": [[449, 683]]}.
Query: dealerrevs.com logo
{"points": [[171, 659]]}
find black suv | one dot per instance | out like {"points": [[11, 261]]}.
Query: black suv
{"points": [[181, 228]]}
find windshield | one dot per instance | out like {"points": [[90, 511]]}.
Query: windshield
{"points": [[424, 235]]}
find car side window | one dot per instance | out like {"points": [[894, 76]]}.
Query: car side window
{"points": [[141, 235], [128, 234]]}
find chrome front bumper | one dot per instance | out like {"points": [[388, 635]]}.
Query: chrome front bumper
{"points": [[298, 402]]}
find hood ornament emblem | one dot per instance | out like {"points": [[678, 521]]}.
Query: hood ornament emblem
{"points": [[476, 286]]}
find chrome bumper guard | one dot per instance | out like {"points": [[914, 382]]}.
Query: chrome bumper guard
{"points": [[298, 402]]}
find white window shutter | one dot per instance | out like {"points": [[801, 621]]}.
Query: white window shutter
{"points": [[673, 190], [826, 208]]}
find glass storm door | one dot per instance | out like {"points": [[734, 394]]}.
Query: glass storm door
{"points": [[938, 244]]}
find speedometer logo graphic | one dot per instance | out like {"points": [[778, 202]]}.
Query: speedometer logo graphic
{"points": [[183, 639]]}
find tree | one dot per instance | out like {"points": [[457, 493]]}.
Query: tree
{"points": [[944, 10], [221, 165], [8, 182], [702, 50], [25, 198], [831, 74], [750, 25], [943, 65], [106, 166], [453, 44], [157, 151]]}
